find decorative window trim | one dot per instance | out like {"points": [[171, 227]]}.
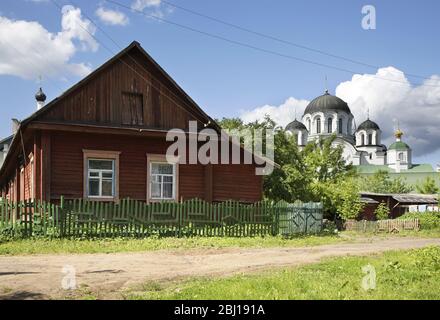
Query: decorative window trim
{"points": [[104, 155], [32, 176], [161, 158]]}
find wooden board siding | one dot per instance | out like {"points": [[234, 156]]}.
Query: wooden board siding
{"points": [[228, 181], [103, 98], [237, 182]]}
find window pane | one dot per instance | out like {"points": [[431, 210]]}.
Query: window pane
{"points": [[155, 190], [161, 168], [168, 190], [168, 179], [93, 187], [108, 175], [101, 164], [94, 174], [107, 188]]}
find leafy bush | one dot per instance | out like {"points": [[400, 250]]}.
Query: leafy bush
{"points": [[428, 220], [382, 211]]}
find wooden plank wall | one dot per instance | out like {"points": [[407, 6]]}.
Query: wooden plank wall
{"points": [[227, 182], [101, 100]]}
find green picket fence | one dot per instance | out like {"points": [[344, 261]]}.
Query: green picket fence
{"points": [[131, 218], [29, 218]]}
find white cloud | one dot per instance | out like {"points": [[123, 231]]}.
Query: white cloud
{"points": [[28, 50], [417, 108], [154, 6], [112, 17], [142, 4], [282, 114]]}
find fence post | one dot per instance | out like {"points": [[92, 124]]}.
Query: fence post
{"points": [[61, 218]]}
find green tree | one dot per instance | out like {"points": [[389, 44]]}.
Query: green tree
{"points": [[382, 211], [381, 182], [312, 174], [343, 198], [428, 186]]}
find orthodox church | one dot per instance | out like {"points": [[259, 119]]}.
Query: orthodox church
{"points": [[329, 115]]}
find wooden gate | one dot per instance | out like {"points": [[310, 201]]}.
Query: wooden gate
{"points": [[300, 218]]}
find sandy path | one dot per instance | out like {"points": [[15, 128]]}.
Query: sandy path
{"points": [[40, 276]]}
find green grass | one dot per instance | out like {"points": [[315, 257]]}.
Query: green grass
{"points": [[399, 275], [72, 246]]}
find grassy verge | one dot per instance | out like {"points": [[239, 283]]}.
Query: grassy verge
{"points": [[399, 275], [60, 246]]}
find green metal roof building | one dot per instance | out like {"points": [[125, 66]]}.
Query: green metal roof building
{"points": [[414, 175]]}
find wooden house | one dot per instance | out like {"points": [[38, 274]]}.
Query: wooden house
{"points": [[105, 139]]}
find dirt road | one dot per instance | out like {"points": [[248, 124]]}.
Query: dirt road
{"points": [[41, 276]]}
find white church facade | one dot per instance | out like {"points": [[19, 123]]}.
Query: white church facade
{"points": [[329, 115]]}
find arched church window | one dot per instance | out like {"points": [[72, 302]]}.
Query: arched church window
{"points": [[340, 126], [401, 156], [309, 125], [362, 139], [329, 125], [318, 125], [370, 139], [371, 156]]}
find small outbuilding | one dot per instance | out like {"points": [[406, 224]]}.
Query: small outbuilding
{"points": [[399, 204]]}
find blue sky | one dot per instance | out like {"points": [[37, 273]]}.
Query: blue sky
{"points": [[230, 81]]}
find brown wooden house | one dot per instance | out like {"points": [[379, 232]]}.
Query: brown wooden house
{"points": [[104, 139]]}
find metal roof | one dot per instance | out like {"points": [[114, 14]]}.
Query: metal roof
{"points": [[409, 198], [296, 125], [327, 102], [368, 124]]}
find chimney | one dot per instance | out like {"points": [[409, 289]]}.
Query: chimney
{"points": [[15, 125], [41, 99]]}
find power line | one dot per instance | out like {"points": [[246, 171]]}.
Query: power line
{"points": [[129, 66], [246, 45], [277, 39]]}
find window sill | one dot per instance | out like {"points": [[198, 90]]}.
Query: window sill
{"points": [[161, 200], [102, 199]]}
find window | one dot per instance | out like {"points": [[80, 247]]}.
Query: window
{"points": [[101, 175], [340, 126], [362, 139], [401, 156], [132, 109], [370, 139], [162, 179], [330, 125], [318, 125], [101, 178], [309, 125]]}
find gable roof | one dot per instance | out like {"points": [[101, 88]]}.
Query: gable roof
{"points": [[117, 57], [193, 109], [196, 110]]}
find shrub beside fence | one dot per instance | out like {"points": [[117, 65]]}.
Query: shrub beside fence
{"points": [[130, 218]]}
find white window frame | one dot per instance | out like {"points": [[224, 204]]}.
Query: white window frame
{"points": [[161, 159], [104, 156], [173, 176], [100, 178]]}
